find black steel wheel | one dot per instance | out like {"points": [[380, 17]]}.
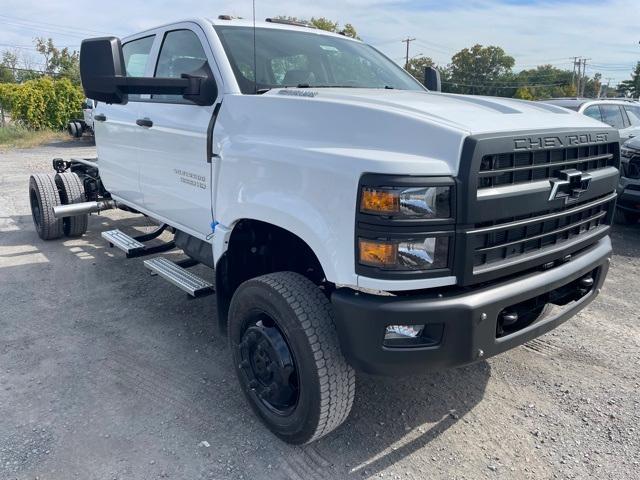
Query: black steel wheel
{"points": [[71, 191], [287, 356], [268, 365], [43, 196]]}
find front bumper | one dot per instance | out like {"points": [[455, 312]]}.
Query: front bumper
{"points": [[469, 317], [629, 194]]}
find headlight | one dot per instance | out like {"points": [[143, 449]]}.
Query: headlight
{"points": [[407, 202], [629, 152], [412, 254]]}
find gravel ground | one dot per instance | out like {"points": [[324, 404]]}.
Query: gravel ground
{"points": [[109, 373]]}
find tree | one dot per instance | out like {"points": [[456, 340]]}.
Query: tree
{"points": [[479, 70], [544, 81], [59, 62], [523, 93], [417, 65], [631, 88], [323, 23], [8, 67]]}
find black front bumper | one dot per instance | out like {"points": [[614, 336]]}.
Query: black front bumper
{"points": [[469, 317]]}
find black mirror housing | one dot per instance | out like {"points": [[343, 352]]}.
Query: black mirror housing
{"points": [[101, 64], [104, 78], [432, 79]]}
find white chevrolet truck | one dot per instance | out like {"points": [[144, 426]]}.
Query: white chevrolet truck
{"points": [[353, 220]]}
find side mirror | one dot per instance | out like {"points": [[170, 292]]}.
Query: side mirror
{"points": [[104, 77], [432, 79], [101, 65]]}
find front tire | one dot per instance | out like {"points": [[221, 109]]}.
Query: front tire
{"points": [[287, 356]]}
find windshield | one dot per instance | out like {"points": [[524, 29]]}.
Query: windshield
{"points": [[288, 58]]}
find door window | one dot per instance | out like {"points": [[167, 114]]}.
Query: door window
{"points": [[181, 52], [136, 55], [612, 115], [594, 112], [633, 112]]}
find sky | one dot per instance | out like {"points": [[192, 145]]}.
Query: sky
{"points": [[532, 31]]}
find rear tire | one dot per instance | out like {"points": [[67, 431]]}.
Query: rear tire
{"points": [[625, 217], [43, 196], [72, 191], [287, 356], [72, 128], [79, 129]]}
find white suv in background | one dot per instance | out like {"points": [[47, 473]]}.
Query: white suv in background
{"points": [[621, 114]]}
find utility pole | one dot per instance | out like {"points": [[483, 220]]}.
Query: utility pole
{"points": [[584, 75], [407, 41], [573, 76]]}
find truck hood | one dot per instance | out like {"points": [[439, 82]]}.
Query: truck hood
{"points": [[470, 114]]}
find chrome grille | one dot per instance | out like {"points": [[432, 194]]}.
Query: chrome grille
{"points": [[528, 166]]}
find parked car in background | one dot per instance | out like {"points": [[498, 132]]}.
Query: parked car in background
{"points": [[77, 127], [621, 114], [628, 210]]}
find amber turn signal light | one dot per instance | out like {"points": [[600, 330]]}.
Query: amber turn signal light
{"points": [[379, 201], [378, 254]]}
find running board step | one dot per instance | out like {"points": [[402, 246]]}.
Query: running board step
{"points": [[180, 277], [124, 242]]}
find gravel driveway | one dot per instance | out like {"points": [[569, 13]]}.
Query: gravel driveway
{"points": [[109, 373]]}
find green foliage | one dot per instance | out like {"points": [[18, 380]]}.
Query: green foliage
{"points": [[61, 62], [417, 65], [43, 103], [523, 93], [631, 87], [479, 70], [323, 23]]}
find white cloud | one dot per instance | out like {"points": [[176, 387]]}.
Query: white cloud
{"points": [[533, 32]]}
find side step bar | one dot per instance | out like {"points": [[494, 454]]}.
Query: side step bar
{"points": [[133, 246], [124, 242], [180, 277]]}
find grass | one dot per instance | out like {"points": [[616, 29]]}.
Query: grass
{"points": [[14, 136]]}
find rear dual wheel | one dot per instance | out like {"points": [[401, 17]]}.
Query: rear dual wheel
{"points": [[287, 356], [48, 190], [71, 191]]}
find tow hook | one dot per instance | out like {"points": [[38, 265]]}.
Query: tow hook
{"points": [[585, 284], [508, 318]]}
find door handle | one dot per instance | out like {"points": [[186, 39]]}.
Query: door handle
{"points": [[100, 117], [144, 122]]}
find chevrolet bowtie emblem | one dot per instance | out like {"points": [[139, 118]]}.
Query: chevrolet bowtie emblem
{"points": [[571, 184]]}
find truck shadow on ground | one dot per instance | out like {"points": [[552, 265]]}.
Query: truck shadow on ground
{"points": [[166, 356]]}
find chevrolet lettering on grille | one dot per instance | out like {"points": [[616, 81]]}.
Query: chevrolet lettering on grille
{"points": [[570, 186]]}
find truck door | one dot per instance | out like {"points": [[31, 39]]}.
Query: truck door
{"points": [[175, 175], [117, 133]]}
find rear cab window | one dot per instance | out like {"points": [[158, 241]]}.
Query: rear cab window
{"points": [[181, 52], [136, 58]]}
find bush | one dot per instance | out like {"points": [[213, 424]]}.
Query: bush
{"points": [[42, 103]]}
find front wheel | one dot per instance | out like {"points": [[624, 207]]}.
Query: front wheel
{"points": [[287, 356]]}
